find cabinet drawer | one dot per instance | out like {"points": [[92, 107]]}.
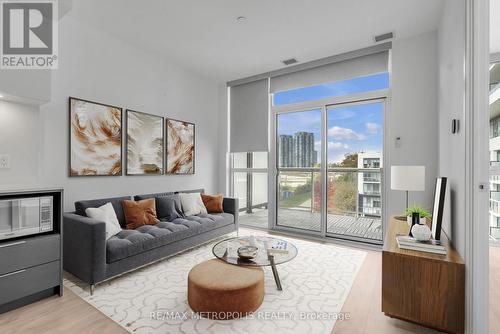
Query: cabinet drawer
{"points": [[29, 252], [28, 281]]}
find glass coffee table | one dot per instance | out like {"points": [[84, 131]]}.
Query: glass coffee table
{"points": [[271, 252]]}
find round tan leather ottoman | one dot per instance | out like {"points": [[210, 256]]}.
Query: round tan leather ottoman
{"points": [[218, 290]]}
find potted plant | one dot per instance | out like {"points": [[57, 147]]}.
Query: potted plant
{"points": [[422, 213]]}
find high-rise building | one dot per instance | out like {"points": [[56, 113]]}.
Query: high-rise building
{"points": [[369, 184], [495, 179], [285, 148], [494, 152], [303, 149], [297, 150]]}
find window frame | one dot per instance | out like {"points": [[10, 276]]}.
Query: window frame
{"points": [[383, 95], [247, 170], [272, 100]]}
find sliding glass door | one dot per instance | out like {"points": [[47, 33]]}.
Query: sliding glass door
{"points": [[329, 164], [355, 161], [298, 166]]}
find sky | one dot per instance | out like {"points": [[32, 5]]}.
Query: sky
{"points": [[338, 88], [351, 128]]}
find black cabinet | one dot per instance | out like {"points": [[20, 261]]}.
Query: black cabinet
{"points": [[31, 266]]}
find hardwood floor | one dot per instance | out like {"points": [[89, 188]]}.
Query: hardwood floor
{"points": [[58, 315], [70, 314]]}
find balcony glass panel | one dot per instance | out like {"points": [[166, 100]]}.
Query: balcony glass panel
{"points": [[240, 160], [299, 199], [259, 160], [240, 189], [352, 211], [250, 187]]}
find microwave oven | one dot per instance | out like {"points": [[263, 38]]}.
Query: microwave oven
{"points": [[25, 216]]}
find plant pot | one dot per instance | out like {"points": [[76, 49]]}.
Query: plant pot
{"points": [[423, 220]]}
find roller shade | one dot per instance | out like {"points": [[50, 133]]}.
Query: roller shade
{"points": [[249, 116], [337, 71]]}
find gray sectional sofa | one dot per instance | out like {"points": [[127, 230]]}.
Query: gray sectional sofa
{"points": [[93, 259]]}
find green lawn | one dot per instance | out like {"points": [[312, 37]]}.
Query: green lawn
{"points": [[295, 200]]}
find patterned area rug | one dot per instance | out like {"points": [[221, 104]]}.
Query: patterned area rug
{"points": [[153, 299]]}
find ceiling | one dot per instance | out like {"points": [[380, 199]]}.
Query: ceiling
{"points": [[205, 36], [494, 26]]}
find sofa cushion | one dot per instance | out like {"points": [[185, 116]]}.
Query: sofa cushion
{"points": [[174, 196], [206, 222], [116, 202], [213, 203], [166, 209], [192, 204], [144, 196], [132, 242], [106, 214], [138, 213]]}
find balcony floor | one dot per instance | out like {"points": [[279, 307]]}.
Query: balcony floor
{"points": [[362, 227]]}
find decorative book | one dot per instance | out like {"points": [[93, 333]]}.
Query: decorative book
{"points": [[275, 248], [430, 246]]}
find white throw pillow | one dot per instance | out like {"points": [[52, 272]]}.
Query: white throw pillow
{"points": [[107, 214], [192, 204]]}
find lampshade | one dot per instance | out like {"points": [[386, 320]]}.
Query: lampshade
{"points": [[408, 178]]}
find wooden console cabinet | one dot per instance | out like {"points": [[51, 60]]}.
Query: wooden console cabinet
{"points": [[423, 288]]}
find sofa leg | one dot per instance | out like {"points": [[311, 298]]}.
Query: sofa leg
{"points": [[92, 288]]}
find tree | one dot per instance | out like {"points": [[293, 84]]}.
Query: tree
{"points": [[350, 160], [342, 193], [344, 199], [342, 189], [303, 188]]}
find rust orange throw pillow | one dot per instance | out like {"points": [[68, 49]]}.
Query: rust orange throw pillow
{"points": [[138, 213], [213, 203]]}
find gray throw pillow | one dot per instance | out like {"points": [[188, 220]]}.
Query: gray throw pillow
{"points": [[166, 209], [175, 197], [177, 200]]}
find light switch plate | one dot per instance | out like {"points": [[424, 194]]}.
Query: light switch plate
{"points": [[397, 142], [4, 161]]}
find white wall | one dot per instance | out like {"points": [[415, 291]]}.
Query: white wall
{"points": [[31, 85], [451, 41], [99, 67], [224, 162], [413, 116], [19, 138]]}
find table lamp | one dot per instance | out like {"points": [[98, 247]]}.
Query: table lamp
{"points": [[408, 178]]}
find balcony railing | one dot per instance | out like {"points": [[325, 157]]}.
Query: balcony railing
{"points": [[300, 189], [371, 179], [373, 211], [371, 192], [495, 196]]}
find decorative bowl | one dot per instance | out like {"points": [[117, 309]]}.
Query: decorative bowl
{"points": [[247, 252], [421, 232]]}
